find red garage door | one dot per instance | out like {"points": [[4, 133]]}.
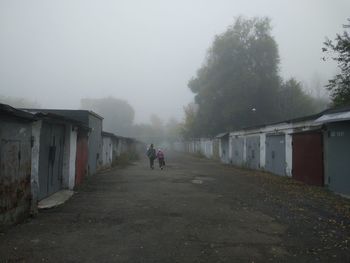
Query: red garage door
{"points": [[308, 158], [81, 158]]}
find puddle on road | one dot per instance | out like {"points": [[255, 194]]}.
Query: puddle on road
{"points": [[200, 180], [197, 181]]}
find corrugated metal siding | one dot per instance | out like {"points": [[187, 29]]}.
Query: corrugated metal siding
{"points": [[276, 154], [308, 158], [253, 152], [237, 150], [337, 157]]}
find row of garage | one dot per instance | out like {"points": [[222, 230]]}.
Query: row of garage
{"points": [[314, 149], [45, 151]]}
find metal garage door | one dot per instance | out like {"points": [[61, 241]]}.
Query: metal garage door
{"points": [[308, 158], [82, 157], [216, 149], [225, 149], [51, 159], [337, 158], [253, 152], [237, 148], [276, 154]]}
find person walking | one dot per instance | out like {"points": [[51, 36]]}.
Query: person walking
{"points": [[151, 153], [160, 156]]}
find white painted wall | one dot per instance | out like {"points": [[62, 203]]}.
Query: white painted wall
{"points": [[230, 153], [36, 129], [72, 158], [289, 153], [206, 147], [245, 151], [262, 151], [69, 157]]}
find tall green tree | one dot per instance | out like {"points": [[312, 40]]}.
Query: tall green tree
{"points": [[239, 83], [292, 100], [340, 52], [190, 128], [239, 75]]}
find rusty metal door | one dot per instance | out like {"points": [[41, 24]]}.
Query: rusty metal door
{"points": [[308, 158], [81, 158]]}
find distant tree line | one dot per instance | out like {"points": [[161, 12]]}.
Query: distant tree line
{"points": [[239, 84], [119, 119]]}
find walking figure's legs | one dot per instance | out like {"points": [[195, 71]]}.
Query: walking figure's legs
{"points": [[161, 163], [151, 163]]}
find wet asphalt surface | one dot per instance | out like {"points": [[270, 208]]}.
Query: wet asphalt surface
{"points": [[196, 210]]}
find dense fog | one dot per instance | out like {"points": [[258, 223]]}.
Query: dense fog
{"points": [[55, 53]]}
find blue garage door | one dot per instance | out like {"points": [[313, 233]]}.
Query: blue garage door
{"points": [[276, 154]]}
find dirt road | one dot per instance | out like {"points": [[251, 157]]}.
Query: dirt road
{"points": [[196, 210]]}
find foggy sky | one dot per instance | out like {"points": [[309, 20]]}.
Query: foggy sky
{"points": [[57, 52]]}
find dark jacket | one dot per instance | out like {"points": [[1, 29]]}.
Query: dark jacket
{"points": [[151, 153]]}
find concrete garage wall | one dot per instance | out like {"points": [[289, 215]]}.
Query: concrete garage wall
{"points": [[69, 157], [206, 147], [262, 150], [35, 188], [81, 162], [15, 170], [95, 144]]}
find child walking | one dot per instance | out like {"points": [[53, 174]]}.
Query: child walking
{"points": [[160, 156]]}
